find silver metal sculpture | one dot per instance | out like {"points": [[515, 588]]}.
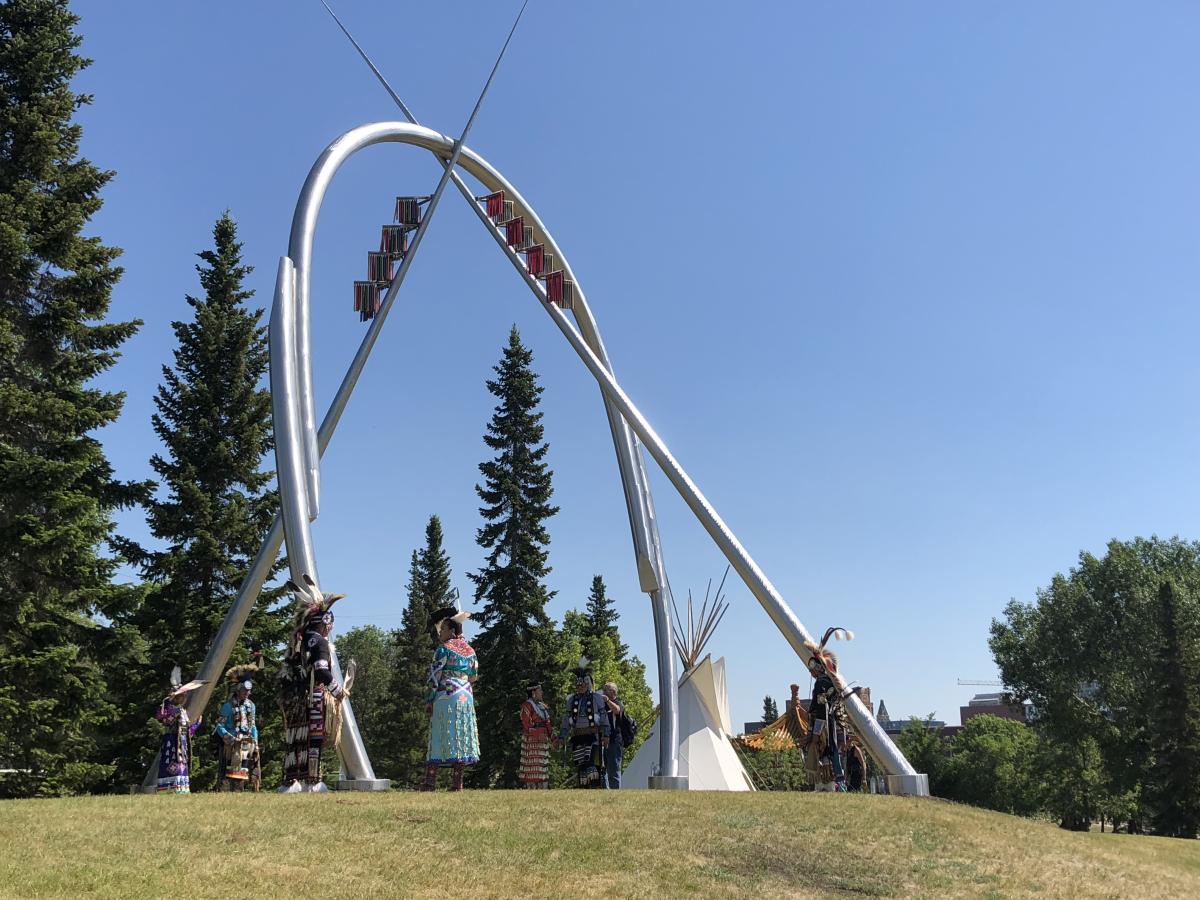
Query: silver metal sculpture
{"points": [[300, 444]]}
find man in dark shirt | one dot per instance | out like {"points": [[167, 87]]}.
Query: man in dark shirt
{"points": [[616, 742]]}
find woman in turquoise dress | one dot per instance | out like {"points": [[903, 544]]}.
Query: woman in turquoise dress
{"points": [[450, 702]]}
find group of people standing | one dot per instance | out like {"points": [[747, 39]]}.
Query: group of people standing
{"points": [[235, 737], [310, 697], [594, 726]]}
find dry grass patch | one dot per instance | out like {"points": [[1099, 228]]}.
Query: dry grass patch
{"points": [[567, 844]]}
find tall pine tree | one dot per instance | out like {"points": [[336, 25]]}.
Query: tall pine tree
{"points": [[214, 508], [57, 491], [517, 639], [403, 759], [602, 619], [1175, 702]]}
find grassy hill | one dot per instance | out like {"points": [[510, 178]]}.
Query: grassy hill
{"points": [[565, 844]]}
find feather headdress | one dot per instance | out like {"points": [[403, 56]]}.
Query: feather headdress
{"points": [[243, 673], [827, 658], [313, 606]]}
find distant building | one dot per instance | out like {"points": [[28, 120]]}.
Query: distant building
{"points": [[992, 705], [752, 728]]}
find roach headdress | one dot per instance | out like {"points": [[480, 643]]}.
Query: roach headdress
{"points": [[827, 658], [314, 608]]}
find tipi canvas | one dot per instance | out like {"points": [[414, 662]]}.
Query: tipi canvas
{"points": [[706, 756]]}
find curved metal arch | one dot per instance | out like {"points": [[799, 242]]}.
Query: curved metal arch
{"points": [[299, 444]]}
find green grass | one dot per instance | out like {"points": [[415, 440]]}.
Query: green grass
{"points": [[566, 844]]}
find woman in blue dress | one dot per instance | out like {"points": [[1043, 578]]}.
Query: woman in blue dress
{"points": [[450, 702]]}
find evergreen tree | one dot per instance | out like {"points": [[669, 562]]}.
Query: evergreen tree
{"points": [[57, 490], [517, 639], [602, 618], [1175, 700], [214, 419], [770, 710], [435, 571], [428, 589]]}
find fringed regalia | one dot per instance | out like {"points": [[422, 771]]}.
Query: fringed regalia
{"points": [[536, 732], [175, 752], [453, 734], [239, 736], [306, 713], [827, 713], [237, 729], [308, 690], [584, 727], [293, 703]]}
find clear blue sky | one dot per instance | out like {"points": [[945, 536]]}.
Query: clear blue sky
{"points": [[909, 289]]}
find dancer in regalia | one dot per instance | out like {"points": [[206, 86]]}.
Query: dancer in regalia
{"points": [[238, 730], [450, 702], [310, 695], [536, 734], [826, 712], [175, 751], [585, 729]]}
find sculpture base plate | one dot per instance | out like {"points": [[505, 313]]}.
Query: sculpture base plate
{"points": [[364, 784], [668, 783], [908, 785]]}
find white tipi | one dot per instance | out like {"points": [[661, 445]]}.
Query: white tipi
{"points": [[706, 755]]}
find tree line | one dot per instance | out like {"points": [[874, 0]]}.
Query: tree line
{"points": [[1108, 659]]}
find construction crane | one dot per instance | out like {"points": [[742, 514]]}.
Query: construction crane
{"points": [[979, 683]]}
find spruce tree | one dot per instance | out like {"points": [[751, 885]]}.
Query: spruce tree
{"points": [[57, 490], [770, 710], [1175, 701], [602, 617], [214, 507], [428, 589], [517, 639]]}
